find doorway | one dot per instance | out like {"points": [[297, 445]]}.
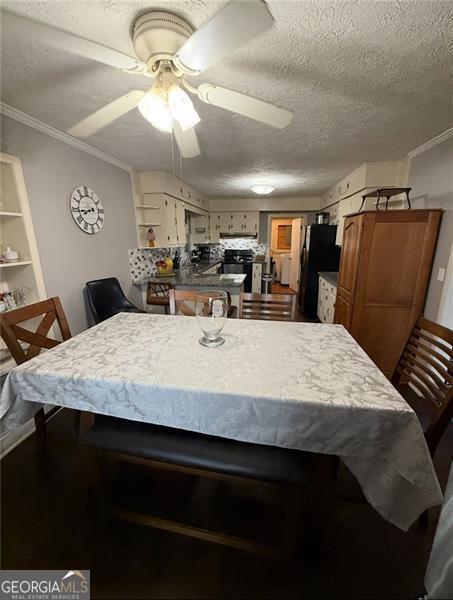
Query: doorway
{"points": [[284, 249]]}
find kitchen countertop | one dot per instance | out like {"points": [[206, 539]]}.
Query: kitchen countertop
{"points": [[330, 276], [193, 276]]}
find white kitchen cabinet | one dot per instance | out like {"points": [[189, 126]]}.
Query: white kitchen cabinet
{"points": [[180, 223], [327, 293], [214, 227], [346, 207], [232, 222], [250, 221], [369, 175], [160, 182], [257, 274], [199, 229], [171, 229], [166, 216]]}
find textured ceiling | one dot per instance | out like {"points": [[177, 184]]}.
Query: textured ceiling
{"points": [[367, 80]]}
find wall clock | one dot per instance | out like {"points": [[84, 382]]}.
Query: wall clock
{"points": [[87, 210]]}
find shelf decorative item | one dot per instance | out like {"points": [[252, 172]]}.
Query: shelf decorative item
{"points": [[151, 237]]}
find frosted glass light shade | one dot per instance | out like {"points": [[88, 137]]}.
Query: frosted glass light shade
{"points": [[181, 108], [262, 189], [154, 108]]}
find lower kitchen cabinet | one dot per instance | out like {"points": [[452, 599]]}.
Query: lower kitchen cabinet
{"points": [[326, 301], [257, 274]]}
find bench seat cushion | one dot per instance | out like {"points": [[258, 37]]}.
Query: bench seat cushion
{"points": [[211, 453]]}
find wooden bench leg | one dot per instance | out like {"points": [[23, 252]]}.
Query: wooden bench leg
{"points": [[293, 507], [324, 475], [85, 422], [41, 434]]}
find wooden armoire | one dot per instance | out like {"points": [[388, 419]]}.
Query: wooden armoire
{"points": [[385, 268]]}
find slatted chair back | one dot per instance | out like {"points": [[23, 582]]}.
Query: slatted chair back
{"points": [[426, 366], [158, 293], [270, 307], [12, 333], [179, 299]]}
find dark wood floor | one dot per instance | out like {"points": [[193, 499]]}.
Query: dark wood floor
{"points": [[45, 524], [278, 288]]}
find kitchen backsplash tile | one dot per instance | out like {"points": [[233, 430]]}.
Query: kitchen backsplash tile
{"points": [[142, 260], [243, 244]]}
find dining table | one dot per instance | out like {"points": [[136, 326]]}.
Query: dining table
{"points": [[304, 386]]}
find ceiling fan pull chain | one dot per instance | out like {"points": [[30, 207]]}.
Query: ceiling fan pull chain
{"points": [[172, 154]]}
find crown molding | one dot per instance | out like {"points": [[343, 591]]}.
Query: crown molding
{"points": [[21, 117], [431, 143]]}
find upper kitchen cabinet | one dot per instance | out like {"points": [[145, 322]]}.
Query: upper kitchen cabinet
{"points": [[160, 202], [347, 194], [233, 222], [165, 215], [161, 182], [199, 229], [368, 175]]}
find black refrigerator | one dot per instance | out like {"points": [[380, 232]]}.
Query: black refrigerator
{"points": [[319, 253]]}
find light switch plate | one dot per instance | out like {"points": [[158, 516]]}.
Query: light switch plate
{"points": [[440, 274]]}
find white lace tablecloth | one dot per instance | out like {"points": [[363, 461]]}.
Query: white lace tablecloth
{"points": [[295, 385]]}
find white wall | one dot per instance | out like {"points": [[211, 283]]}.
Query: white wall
{"points": [[431, 179], [70, 257]]}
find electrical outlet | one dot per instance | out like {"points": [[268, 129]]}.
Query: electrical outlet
{"points": [[440, 274]]}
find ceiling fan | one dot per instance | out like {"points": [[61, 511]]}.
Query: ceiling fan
{"points": [[169, 51]]}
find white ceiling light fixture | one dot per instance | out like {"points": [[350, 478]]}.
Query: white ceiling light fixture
{"points": [[262, 189], [169, 51]]}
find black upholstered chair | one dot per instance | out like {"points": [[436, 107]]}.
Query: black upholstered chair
{"points": [[106, 299]]}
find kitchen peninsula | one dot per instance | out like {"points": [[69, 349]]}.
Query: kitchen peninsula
{"points": [[202, 275]]}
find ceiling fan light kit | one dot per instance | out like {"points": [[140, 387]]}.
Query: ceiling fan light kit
{"points": [[169, 50]]}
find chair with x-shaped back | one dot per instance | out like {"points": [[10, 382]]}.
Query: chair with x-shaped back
{"points": [[34, 341]]}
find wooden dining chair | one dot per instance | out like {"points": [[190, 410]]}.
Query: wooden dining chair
{"points": [[424, 377], [14, 332], [179, 298], [158, 294], [270, 307]]}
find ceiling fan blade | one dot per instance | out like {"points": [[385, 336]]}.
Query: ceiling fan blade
{"points": [[272, 115], [106, 115], [58, 38], [237, 23], [187, 141]]}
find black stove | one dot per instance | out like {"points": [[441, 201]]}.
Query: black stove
{"points": [[239, 261], [234, 257]]}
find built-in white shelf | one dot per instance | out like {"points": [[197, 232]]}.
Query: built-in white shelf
{"points": [[148, 224], [4, 213], [19, 263], [147, 206]]}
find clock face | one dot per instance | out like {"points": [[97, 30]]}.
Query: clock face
{"points": [[87, 210]]}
